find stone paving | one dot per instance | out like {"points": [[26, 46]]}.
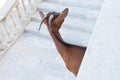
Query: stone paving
{"points": [[34, 56]]}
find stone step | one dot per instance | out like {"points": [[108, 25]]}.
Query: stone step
{"points": [[70, 23], [91, 4], [49, 6], [84, 22], [81, 22], [85, 18], [81, 39]]}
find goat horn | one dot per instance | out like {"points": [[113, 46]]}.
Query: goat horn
{"points": [[49, 22], [42, 22]]}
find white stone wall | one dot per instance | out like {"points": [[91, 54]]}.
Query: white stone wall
{"points": [[102, 59]]}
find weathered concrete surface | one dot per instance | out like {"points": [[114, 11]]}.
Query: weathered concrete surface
{"points": [[102, 59]]}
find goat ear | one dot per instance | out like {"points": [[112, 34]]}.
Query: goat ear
{"points": [[62, 15], [41, 14]]}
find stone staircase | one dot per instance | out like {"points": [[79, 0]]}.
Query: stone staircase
{"points": [[34, 56], [80, 20]]}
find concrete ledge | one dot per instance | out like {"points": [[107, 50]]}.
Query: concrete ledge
{"points": [[101, 61]]}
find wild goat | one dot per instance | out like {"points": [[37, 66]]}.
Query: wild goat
{"points": [[71, 54]]}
